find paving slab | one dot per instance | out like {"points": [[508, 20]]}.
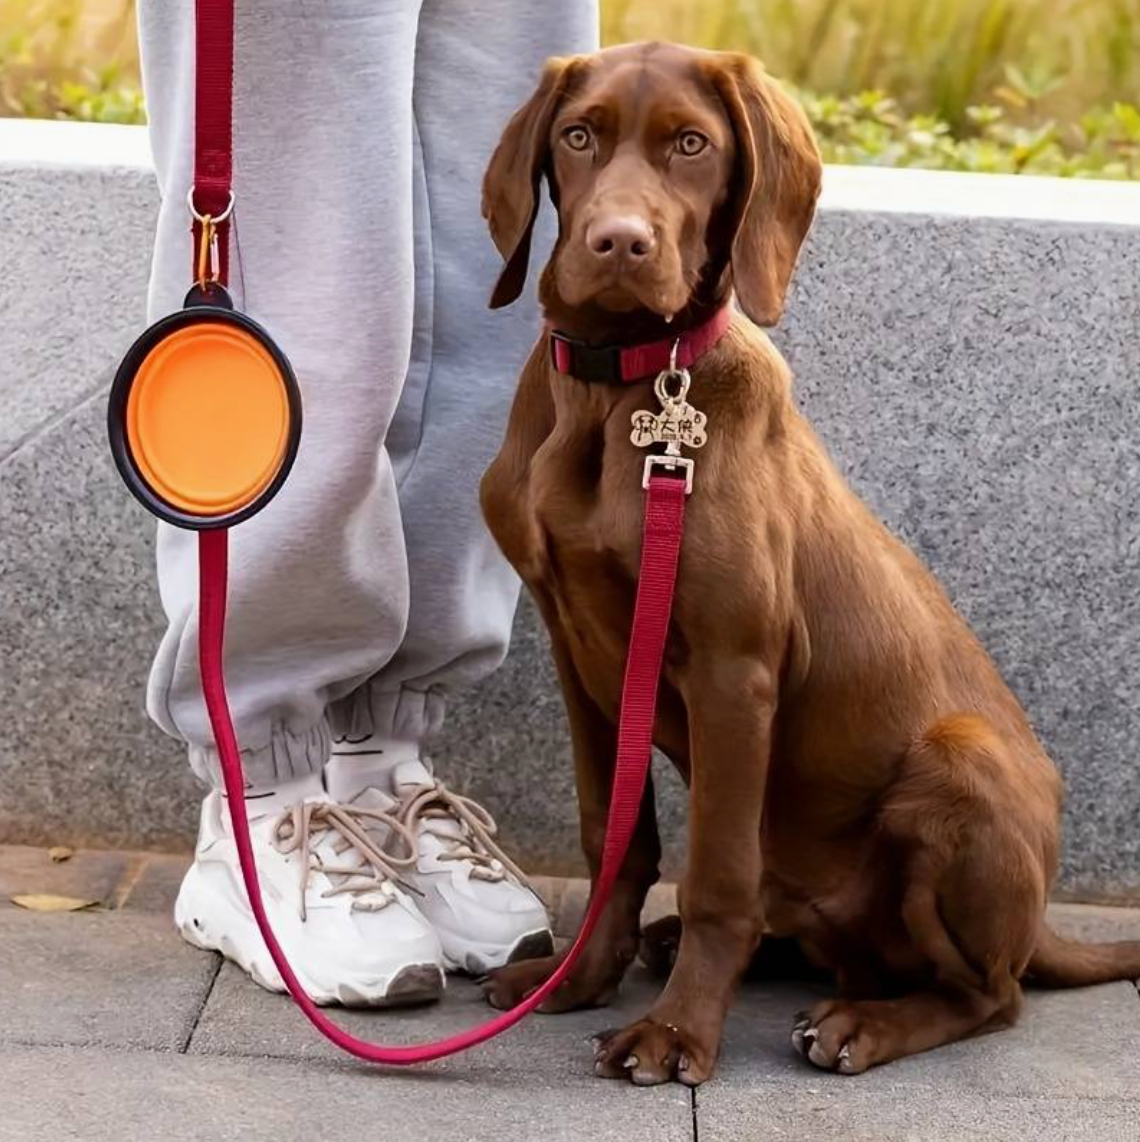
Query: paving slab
{"points": [[127, 1096], [157, 884], [99, 978], [909, 1113], [242, 1019], [1064, 1072], [86, 875]]}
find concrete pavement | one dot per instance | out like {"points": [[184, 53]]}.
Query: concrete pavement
{"points": [[113, 1030]]}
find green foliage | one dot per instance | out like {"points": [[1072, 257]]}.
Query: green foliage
{"points": [[93, 98], [971, 85], [869, 129], [46, 49], [938, 56]]}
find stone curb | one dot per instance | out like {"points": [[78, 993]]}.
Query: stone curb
{"points": [[148, 882]]}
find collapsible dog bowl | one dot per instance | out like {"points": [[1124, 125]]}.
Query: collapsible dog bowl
{"points": [[204, 416]]}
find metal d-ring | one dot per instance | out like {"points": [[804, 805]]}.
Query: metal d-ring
{"points": [[217, 219], [660, 386]]}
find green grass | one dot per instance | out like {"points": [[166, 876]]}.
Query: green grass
{"points": [[1034, 86]]}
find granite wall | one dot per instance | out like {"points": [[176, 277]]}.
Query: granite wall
{"points": [[967, 346]]}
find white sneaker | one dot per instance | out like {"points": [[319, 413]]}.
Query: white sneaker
{"points": [[351, 935], [477, 900]]}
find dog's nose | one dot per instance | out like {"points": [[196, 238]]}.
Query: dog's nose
{"points": [[621, 236]]}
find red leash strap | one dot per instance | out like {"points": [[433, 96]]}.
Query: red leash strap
{"points": [[661, 546], [213, 125]]}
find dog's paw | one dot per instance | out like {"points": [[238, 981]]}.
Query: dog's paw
{"points": [[509, 986], [648, 1053], [836, 1036]]}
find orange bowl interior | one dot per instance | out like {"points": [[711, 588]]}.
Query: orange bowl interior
{"points": [[208, 418]]}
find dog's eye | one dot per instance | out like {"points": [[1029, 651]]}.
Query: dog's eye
{"points": [[577, 138], [691, 143]]}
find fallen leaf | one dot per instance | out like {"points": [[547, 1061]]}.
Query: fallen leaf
{"points": [[60, 853], [46, 902]]}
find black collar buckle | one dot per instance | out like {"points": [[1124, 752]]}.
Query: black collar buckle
{"points": [[598, 363]]}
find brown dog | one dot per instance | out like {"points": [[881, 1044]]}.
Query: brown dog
{"points": [[860, 777]]}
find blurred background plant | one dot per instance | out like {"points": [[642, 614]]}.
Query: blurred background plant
{"points": [[70, 59], [1035, 86]]}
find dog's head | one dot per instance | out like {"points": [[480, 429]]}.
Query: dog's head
{"points": [[676, 174]]}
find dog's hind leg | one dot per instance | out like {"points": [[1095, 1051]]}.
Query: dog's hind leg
{"points": [[972, 830]]}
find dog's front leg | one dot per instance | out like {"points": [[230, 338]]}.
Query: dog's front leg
{"points": [[730, 708], [613, 945]]}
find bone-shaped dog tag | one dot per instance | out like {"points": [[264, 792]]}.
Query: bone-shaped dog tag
{"points": [[677, 423]]}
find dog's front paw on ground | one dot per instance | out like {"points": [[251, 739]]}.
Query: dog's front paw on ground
{"points": [[510, 985], [648, 1052], [836, 1036]]}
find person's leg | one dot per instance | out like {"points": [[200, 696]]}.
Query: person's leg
{"points": [[322, 255], [475, 64]]}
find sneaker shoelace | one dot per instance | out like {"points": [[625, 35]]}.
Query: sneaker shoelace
{"points": [[475, 843], [367, 872]]}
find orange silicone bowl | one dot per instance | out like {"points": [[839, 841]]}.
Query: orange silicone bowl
{"points": [[204, 417]]}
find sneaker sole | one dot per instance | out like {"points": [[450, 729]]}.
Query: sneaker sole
{"points": [[535, 946], [477, 960], [412, 985]]}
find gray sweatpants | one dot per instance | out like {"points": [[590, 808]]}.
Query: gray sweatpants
{"points": [[369, 588]]}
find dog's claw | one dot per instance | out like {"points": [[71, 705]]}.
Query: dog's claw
{"points": [[801, 1025], [631, 1062]]}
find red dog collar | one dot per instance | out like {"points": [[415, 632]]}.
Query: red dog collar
{"points": [[623, 364]]}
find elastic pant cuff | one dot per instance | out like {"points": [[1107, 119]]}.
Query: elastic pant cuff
{"points": [[404, 715], [288, 755]]}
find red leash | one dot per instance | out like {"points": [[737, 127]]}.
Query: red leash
{"points": [[664, 518], [664, 521]]}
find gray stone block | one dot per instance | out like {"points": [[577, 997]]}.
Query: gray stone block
{"points": [[974, 377], [79, 621], [75, 232]]}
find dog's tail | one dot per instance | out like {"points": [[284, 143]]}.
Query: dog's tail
{"points": [[1056, 962]]}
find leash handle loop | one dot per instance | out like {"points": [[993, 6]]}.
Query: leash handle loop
{"points": [[661, 546], [212, 194]]}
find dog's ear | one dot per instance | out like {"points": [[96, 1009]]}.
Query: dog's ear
{"points": [[776, 183], [512, 184]]}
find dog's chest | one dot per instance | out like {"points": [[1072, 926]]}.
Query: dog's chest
{"points": [[577, 533]]}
